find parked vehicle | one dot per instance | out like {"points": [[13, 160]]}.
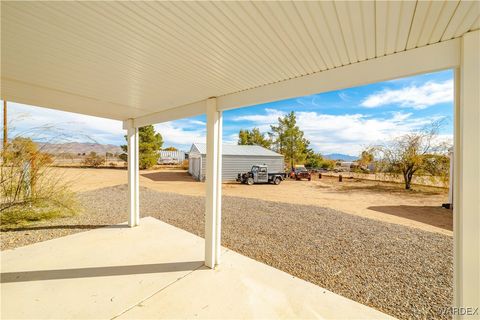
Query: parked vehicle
{"points": [[300, 172], [260, 174]]}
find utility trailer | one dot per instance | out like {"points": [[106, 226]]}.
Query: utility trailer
{"points": [[260, 174]]}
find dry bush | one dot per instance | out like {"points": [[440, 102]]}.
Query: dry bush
{"points": [[28, 190], [184, 164], [93, 160]]}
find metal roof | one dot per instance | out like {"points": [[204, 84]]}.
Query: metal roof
{"points": [[123, 60], [238, 150]]}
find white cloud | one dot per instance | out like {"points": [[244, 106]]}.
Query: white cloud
{"points": [[416, 97], [182, 133], [267, 118], [44, 123], [348, 133], [351, 133], [58, 126], [262, 121]]}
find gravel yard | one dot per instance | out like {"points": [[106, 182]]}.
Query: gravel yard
{"points": [[402, 271]]}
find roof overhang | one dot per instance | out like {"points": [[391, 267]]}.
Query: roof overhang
{"points": [[159, 61]]}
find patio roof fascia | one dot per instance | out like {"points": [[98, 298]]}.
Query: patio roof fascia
{"points": [[430, 58], [185, 111]]}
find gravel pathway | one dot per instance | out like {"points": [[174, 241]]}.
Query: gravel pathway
{"points": [[405, 272]]}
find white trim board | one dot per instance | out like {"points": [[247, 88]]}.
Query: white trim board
{"points": [[431, 58]]}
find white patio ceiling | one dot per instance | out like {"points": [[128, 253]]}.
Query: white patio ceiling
{"points": [[126, 60]]}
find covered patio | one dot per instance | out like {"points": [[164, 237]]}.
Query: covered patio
{"points": [[154, 271], [150, 62]]}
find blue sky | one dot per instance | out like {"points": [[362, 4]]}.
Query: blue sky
{"points": [[343, 121]]}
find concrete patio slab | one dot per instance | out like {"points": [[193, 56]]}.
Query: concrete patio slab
{"points": [[154, 271], [242, 288], [95, 274]]}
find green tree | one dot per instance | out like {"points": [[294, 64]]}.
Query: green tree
{"points": [[288, 139], [313, 160], [327, 164], [254, 137], [243, 137], [150, 143]]}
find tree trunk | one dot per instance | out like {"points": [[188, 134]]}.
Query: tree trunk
{"points": [[407, 177]]}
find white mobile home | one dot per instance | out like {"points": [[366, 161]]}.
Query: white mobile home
{"points": [[236, 159], [171, 157]]}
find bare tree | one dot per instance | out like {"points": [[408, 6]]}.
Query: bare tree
{"points": [[411, 154]]}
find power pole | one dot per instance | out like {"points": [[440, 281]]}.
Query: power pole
{"points": [[5, 130]]}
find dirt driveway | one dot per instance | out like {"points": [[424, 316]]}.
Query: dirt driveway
{"points": [[381, 201]]}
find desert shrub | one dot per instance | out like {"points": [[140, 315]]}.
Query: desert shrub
{"points": [[93, 160], [29, 191], [327, 164], [184, 164]]}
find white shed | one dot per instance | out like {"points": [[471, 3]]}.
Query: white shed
{"points": [[236, 159]]}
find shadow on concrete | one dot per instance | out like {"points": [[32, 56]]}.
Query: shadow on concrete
{"points": [[169, 176], [41, 275], [432, 215], [70, 226]]}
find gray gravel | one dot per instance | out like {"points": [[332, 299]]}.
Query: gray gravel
{"points": [[405, 272]]}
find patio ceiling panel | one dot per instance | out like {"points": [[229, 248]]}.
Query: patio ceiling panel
{"points": [[464, 17], [141, 58]]}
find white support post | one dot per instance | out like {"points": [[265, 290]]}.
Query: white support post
{"points": [[218, 215], [133, 176], [213, 201], [467, 176]]}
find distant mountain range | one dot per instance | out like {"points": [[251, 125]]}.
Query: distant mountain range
{"points": [[85, 147], [79, 147], [340, 156]]}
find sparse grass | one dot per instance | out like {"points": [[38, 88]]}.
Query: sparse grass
{"points": [[389, 187], [63, 205], [350, 184]]}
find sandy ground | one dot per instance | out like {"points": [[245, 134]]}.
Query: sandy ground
{"points": [[381, 201], [405, 272]]}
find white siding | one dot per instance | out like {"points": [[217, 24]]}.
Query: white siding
{"points": [[171, 157], [233, 165], [194, 167]]}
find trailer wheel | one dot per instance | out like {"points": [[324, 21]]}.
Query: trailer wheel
{"points": [[277, 181], [250, 181]]}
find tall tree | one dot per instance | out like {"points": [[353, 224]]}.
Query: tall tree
{"points": [[289, 140], [254, 137], [150, 143]]}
